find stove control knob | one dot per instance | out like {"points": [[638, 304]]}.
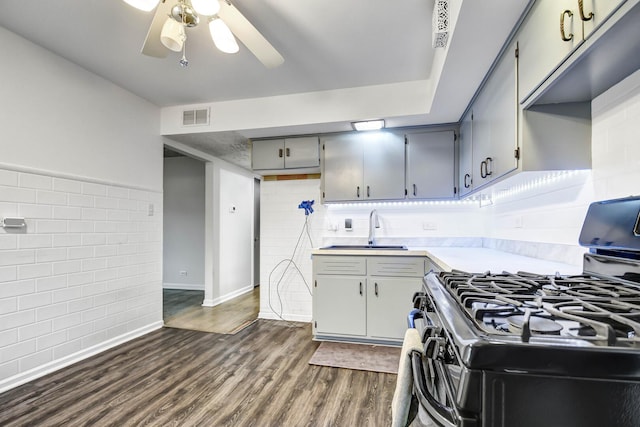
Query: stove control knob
{"points": [[434, 347]]}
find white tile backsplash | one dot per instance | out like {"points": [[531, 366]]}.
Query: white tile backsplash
{"points": [[57, 278]]}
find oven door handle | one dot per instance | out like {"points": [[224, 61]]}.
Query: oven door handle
{"points": [[441, 414]]}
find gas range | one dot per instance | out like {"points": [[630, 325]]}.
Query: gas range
{"points": [[560, 309], [525, 349]]}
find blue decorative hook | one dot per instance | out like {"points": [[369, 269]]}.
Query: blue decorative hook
{"points": [[306, 205]]}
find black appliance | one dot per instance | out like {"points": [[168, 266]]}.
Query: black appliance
{"points": [[524, 350]]}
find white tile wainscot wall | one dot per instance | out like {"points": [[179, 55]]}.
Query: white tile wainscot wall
{"points": [[84, 276]]}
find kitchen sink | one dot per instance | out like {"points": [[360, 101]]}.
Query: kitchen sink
{"points": [[371, 247]]}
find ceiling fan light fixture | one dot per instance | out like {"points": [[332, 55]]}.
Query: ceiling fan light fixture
{"points": [[173, 35], [146, 5], [206, 7], [222, 36]]}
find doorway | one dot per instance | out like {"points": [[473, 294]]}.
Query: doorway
{"points": [[186, 260]]}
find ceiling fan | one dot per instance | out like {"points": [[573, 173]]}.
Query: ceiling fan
{"points": [[173, 17]]}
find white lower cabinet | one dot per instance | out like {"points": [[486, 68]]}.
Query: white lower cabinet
{"points": [[347, 302], [388, 303], [364, 298]]}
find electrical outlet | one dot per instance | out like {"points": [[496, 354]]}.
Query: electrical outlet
{"points": [[183, 272], [429, 226], [518, 222], [150, 209]]}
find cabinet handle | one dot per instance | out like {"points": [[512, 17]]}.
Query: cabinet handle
{"points": [[368, 192], [581, 9], [415, 190], [279, 152], [489, 166], [360, 288], [376, 288], [358, 191], [562, 33], [483, 168], [466, 184], [288, 152]]}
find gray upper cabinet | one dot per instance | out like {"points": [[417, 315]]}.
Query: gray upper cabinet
{"points": [[465, 144], [431, 165], [494, 136], [286, 153], [596, 12], [541, 41], [363, 166]]}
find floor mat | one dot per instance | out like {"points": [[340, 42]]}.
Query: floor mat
{"points": [[361, 357]]}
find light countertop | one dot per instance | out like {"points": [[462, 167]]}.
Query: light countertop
{"points": [[470, 259]]}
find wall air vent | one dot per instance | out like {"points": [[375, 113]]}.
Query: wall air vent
{"points": [[195, 117]]}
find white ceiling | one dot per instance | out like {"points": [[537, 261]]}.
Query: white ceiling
{"points": [[326, 45]]}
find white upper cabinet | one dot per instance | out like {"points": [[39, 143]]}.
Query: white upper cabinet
{"points": [[551, 31], [363, 166], [430, 165], [285, 153]]}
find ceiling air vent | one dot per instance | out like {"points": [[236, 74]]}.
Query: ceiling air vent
{"points": [[195, 117]]}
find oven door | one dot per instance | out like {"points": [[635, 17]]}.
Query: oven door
{"points": [[436, 376]]}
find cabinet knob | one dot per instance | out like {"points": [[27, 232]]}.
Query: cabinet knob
{"points": [[415, 190], [376, 288], [562, 32], [288, 152], [279, 152], [467, 184], [489, 166], [360, 288], [358, 191]]}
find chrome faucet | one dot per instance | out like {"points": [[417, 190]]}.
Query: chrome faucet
{"points": [[372, 215]]}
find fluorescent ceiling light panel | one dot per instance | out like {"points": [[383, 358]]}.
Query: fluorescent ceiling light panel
{"points": [[368, 125]]}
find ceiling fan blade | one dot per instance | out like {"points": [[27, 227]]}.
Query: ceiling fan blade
{"points": [[249, 35], [152, 45]]}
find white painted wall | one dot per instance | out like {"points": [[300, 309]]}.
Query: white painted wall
{"points": [[236, 233], [53, 113], [543, 222], [183, 228], [81, 161]]}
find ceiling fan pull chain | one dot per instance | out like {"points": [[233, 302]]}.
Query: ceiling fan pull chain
{"points": [[184, 62]]}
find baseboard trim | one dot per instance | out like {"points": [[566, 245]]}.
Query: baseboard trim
{"points": [[290, 317], [184, 286], [40, 371], [227, 297]]}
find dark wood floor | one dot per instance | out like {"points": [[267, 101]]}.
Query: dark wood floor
{"points": [[183, 309], [173, 377]]}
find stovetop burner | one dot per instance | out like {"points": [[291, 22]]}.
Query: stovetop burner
{"points": [[601, 311]]}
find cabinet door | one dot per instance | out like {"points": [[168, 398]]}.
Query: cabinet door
{"points": [[383, 165], [494, 123], [430, 165], [465, 171], [387, 306], [597, 11], [339, 305], [342, 168], [268, 154], [301, 152], [542, 48]]}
